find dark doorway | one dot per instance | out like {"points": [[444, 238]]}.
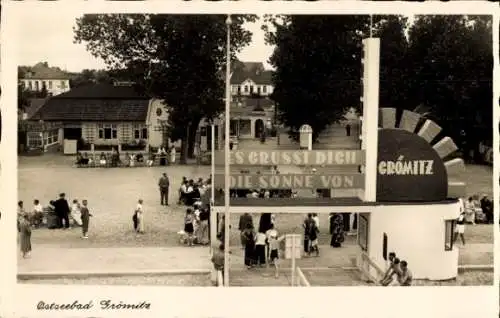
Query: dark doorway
{"points": [[72, 133], [259, 128]]}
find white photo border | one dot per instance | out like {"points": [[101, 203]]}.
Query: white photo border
{"points": [[19, 300]]}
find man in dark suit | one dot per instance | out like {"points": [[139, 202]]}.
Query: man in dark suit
{"points": [[62, 210], [164, 185]]}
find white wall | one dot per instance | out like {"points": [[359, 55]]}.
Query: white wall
{"points": [[54, 86], [268, 88], [416, 233], [153, 120]]}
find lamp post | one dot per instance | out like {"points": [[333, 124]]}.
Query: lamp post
{"points": [[226, 154]]}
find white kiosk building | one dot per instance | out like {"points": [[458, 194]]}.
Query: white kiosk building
{"points": [[405, 201]]}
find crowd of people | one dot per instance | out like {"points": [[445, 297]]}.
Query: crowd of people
{"points": [[56, 215], [161, 156]]}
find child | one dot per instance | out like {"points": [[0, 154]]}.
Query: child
{"points": [[188, 226], [139, 212], [85, 217], [274, 243], [75, 211], [218, 261], [260, 249], [394, 269], [313, 237]]}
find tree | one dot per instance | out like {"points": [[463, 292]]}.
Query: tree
{"points": [[87, 77], [394, 75], [22, 94], [317, 61], [176, 58], [452, 65]]}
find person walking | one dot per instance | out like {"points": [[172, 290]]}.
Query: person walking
{"points": [[62, 211], [337, 230], [460, 228], [85, 217], [25, 235], [164, 185]]}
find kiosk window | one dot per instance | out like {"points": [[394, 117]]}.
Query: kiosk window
{"points": [[384, 247], [449, 227], [363, 232]]}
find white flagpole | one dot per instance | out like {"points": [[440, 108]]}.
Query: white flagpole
{"points": [[227, 220]]}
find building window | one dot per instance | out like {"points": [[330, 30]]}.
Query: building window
{"points": [[30, 85], [63, 84], [52, 137], [251, 89], [449, 229], [239, 89], [264, 89], [108, 131], [37, 86], [246, 89], [258, 90], [363, 232], [50, 84], [140, 132]]}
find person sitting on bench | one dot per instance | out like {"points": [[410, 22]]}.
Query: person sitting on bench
{"points": [[102, 160], [81, 160]]}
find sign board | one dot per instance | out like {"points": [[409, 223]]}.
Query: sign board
{"points": [[292, 157], [409, 169], [293, 246], [292, 181]]}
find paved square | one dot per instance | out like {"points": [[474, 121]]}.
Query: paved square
{"points": [[112, 194]]}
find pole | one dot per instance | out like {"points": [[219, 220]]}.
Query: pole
{"points": [[293, 260], [213, 215], [227, 220]]}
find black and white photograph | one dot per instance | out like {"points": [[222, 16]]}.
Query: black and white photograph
{"points": [[255, 150]]}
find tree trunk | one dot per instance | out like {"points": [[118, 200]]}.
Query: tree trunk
{"points": [[192, 137], [184, 146]]}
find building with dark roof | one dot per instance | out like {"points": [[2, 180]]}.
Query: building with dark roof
{"points": [[35, 78], [97, 114]]}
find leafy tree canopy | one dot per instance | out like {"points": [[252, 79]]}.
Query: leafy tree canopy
{"points": [[177, 58], [442, 62]]}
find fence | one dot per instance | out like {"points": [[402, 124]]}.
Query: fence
{"points": [[301, 279], [370, 271], [220, 279]]}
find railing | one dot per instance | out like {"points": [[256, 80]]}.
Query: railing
{"points": [[370, 271], [301, 278]]}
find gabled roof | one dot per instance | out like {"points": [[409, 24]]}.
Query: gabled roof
{"points": [[99, 102], [254, 71], [43, 71]]}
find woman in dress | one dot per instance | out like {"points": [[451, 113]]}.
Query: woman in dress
{"points": [[189, 220], [249, 238], [25, 235], [173, 153], [139, 211], [337, 230]]}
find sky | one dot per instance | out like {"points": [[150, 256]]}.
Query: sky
{"points": [[51, 40]]}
